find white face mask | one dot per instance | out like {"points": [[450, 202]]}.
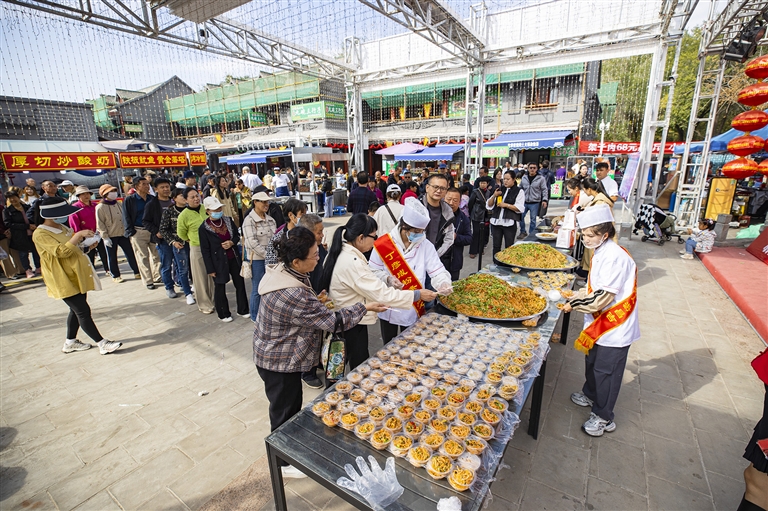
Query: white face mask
{"points": [[112, 195], [594, 245]]}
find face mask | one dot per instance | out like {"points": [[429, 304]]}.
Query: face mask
{"points": [[414, 237], [62, 220], [593, 246], [217, 214], [112, 195]]}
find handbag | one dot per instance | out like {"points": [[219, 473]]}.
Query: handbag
{"points": [[334, 351], [245, 267], [760, 365]]}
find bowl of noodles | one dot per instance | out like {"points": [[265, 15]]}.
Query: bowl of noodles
{"points": [[484, 296], [534, 256]]}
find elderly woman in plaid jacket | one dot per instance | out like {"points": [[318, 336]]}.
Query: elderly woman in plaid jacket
{"points": [[290, 324]]}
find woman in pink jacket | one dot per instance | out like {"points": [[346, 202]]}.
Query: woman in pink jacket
{"points": [[85, 219]]}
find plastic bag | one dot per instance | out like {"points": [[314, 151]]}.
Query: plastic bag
{"points": [[379, 487], [450, 504]]}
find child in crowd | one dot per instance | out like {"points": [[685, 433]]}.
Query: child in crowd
{"points": [[702, 239]]}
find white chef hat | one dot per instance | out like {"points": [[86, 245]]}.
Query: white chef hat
{"points": [[594, 215], [415, 213]]}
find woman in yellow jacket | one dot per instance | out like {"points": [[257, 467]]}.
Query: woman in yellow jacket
{"points": [[349, 280], [68, 273]]}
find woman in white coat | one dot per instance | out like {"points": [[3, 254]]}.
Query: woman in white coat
{"points": [[349, 280], [405, 257]]}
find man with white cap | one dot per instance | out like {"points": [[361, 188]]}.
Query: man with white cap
{"points": [[404, 258], [281, 183], [67, 190], [250, 180], [388, 216], [611, 325]]}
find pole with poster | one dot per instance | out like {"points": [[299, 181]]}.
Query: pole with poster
{"points": [[628, 183]]}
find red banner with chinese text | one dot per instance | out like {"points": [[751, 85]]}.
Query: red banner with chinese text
{"points": [[152, 160], [593, 147], [197, 159], [396, 264], [41, 162]]}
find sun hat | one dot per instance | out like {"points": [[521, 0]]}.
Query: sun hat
{"points": [[261, 197], [105, 189], [66, 182], [212, 203], [394, 188], [81, 189], [56, 207]]}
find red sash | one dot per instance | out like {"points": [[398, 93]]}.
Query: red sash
{"points": [[395, 262], [606, 320]]}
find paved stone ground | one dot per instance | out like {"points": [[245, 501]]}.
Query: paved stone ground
{"points": [[129, 431]]}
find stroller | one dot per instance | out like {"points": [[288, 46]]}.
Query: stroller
{"points": [[657, 225]]}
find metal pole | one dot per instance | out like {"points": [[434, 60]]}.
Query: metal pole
{"points": [[480, 115], [468, 122]]}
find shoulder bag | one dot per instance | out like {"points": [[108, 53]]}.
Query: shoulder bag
{"points": [[334, 351]]}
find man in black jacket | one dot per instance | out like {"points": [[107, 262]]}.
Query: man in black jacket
{"points": [[361, 197], [453, 260], [153, 214], [479, 216], [505, 205], [147, 257]]}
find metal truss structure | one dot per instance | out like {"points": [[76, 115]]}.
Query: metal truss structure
{"points": [[736, 14]]}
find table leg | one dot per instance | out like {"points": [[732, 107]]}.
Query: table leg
{"points": [[564, 329], [538, 396], [278, 490]]}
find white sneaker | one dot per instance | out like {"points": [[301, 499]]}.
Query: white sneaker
{"points": [[687, 256], [248, 315], [226, 320], [190, 299], [290, 472], [75, 346], [682, 252], [580, 399], [596, 425], [106, 347]]}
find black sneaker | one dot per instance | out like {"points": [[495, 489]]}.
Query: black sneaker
{"points": [[312, 381], [150, 286]]}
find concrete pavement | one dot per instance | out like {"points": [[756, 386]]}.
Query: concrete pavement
{"points": [[130, 430]]}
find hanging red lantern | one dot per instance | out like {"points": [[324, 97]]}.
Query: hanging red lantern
{"points": [[740, 168], [754, 95], [751, 120], [757, 68], [745, 145], [763, 167]]}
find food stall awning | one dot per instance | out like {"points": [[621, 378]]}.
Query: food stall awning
{"points": [[256, 156], [44, 156], [133, 144], [530, 140], [719, 143], [404, 148], [438, 152]]}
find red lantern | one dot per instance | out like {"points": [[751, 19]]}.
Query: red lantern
{"points": [[754, 95], [763, 167], [757, 68], [751, 120], [740, 168], [745, 145]]}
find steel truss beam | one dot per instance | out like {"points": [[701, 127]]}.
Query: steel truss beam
{"points": [[436, 23], [729, 22], [219, 35]]}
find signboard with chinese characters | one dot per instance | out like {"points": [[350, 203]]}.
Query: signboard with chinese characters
{"points": [[152, 160], [318, 110], [197, 159], [563, 151], [491, 152], [20, 162], [593, 147], [257, 119]]}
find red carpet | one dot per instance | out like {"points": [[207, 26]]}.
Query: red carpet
{"points": [[745, 280]]}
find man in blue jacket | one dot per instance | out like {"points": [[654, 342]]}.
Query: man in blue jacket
{"points": [[453, 259]]}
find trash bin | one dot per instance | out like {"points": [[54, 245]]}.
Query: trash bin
{"points": [[340, 197]]}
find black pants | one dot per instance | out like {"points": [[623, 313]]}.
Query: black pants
{"points": [[507, 233], [478, 244], [125, 244], [80, 316], [357, 345], [455, 275], [220, 292], [389, 330], [604, 370], [101, 249], [284, 395]]}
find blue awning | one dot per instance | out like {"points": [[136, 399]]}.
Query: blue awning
{"points": [[256, 156], [719, 144], [531, 140], [435, 153]]}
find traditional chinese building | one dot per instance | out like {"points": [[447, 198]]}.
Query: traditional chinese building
{"points": [[42, 119], [138, 114]]}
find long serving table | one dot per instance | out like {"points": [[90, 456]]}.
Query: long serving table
{"points": [[321, 452]]}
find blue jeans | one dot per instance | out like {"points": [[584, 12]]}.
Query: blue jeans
{"points": [[329, 206], [166, 264], [257, 271], [181, 258], [534, 209], [690, 245]]}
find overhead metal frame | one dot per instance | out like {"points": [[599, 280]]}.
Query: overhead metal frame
{"points": [[220, 36], [719, 33], [435, 22]]}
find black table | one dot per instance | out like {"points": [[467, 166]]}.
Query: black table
{"points": [[321, 452]]}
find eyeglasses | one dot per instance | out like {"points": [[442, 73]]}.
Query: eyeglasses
{"points": [[375, 237], [440, 188]]}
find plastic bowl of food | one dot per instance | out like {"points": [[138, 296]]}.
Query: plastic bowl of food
{"points": [[418, 455], [380, 439], [333, 398], [321, 408], [346, 406], [431, 404], [461, 478], [459, 431], [413, 399], [364, 430], [349, 421], [483, 430], [372, 400], [393, 425], [452, 448], [344, 387], [332, 418], [381, 389], [490, 416], [377, 415], [475, 445], [439, 466], [413, 428], [467, 418], [400, 445], [355, 377], [455, 399], [497, 405], [422, 416], [433, 440], [404, 412], [357, 395]]}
